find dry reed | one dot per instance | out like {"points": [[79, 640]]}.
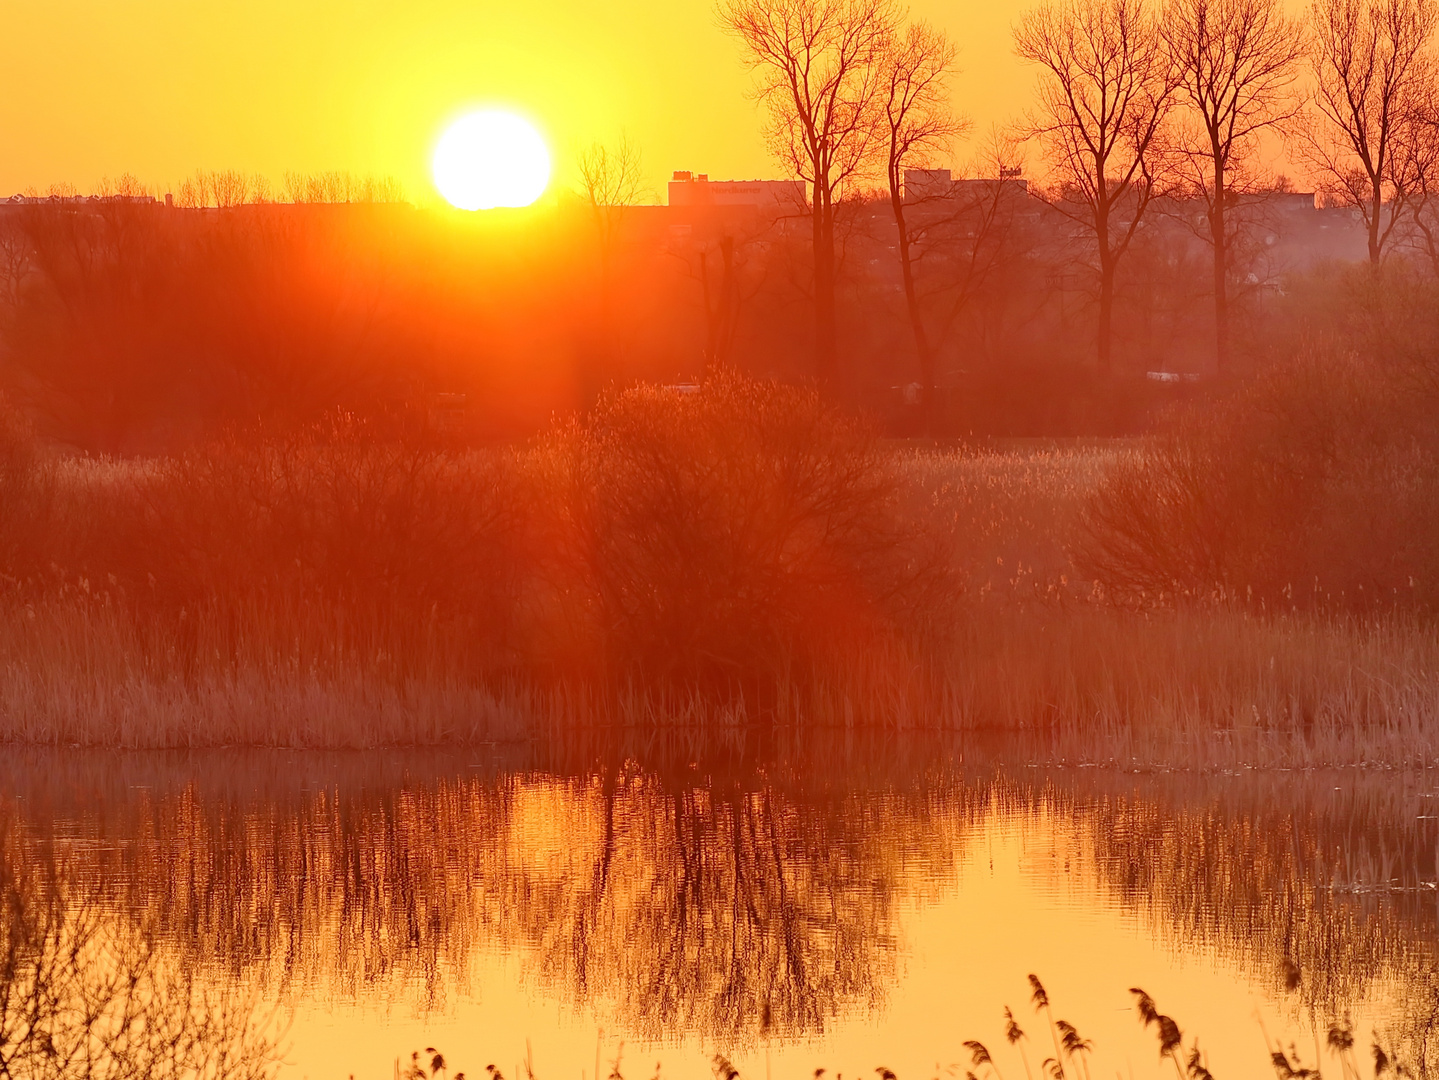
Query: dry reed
{"points": [[347, 590], [1211, 688]]}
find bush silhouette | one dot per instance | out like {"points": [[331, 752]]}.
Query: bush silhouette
{"points": [[738, 532], [1315, 485]]}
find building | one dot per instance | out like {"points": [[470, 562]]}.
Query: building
{"points": [[923, 184], [77, 200], [697, 189]]}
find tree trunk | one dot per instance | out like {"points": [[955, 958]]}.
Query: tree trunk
{"points": [[1376, 207], [712, 316], [721, 310], [1106, 312], [916, 318], [824, 333], [1106, 282], [729, 302], [1221, 267]]}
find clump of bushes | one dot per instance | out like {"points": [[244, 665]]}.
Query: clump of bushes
{"points": [[1314, 485], [731, 537], [745, 531]]}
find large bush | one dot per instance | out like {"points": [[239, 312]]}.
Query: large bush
{"points": [[1315, 484], [742, 531]]}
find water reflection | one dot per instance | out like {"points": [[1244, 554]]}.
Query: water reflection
{"points": [[696, 902], [86, 991], [759, 899], [1333, 871]]}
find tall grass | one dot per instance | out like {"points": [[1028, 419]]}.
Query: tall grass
{"points": [[738, 556], [1220, 687]]}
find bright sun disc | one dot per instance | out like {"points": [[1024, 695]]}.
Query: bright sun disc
{"points": [[489, 159]]}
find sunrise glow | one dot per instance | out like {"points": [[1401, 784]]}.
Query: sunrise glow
{"points": [[491, 159], [748, 539]]}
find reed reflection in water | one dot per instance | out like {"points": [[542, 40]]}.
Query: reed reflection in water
{"points": [[89, 992], [775, 911]]}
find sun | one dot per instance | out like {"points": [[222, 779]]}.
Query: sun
{"points": [[489, 159]]}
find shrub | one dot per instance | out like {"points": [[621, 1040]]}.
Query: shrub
{"points": [[1318, 483], [733, 534]]}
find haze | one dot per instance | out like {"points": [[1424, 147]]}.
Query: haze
{"points": [[789, 542]]}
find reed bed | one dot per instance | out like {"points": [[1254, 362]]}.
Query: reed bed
{"points": [[1218, 687], [744, 557], [1087, 684]]}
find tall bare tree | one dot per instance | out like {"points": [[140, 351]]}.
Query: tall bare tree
{"points": [[916, 121], [1236, 61], [1372, 69], [612, 178], [983, 233], [1420, 151], [1106, 91], [819, 75]]}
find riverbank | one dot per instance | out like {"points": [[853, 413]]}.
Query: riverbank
{"points": [[1158, 689]]}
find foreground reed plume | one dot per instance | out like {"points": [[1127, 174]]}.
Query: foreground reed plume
{"points": [[1070, 1060]]}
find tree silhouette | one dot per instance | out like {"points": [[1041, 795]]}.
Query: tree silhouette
{"points": [[916, 121], [1235, 61], [1106, 92], [1372, 69], [818, 63]]}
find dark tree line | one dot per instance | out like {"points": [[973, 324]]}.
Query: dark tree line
{"points": [[1137, 104]]}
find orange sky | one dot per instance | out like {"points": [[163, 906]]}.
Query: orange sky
{"points": [[159, 88]]}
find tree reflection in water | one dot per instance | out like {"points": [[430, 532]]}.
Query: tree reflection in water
{"points": [[687, 901], [1320, 884], [759, 897]]}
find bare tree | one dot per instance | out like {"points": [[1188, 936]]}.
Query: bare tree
{"points": [[329, 187], [1236, 62], [611, 178], [1420, 151], [963, 236], [917, 121], [982, 236], [819, 73], [223, 189], [725, 289], [1106, 92], [1372, 67], [15, 266], [125, 186]]}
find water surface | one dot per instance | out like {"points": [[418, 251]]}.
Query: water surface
{"points": [[834, 903]]}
